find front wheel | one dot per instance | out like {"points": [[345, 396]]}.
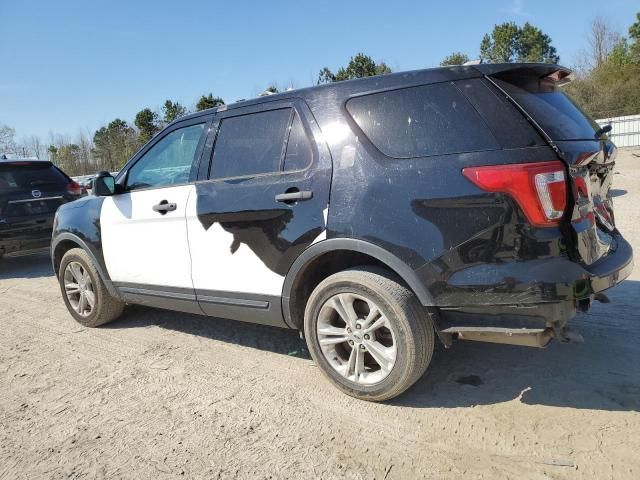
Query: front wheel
{"points": [[368, 333], [84, 293]]}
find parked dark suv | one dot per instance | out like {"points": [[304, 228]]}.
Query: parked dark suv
{"points": [[373, 215], [30, 193]]}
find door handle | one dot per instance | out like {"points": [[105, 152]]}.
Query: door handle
{"points": [[163, 207], [292, 197]]}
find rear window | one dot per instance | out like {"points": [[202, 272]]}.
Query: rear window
{"points": [[28, 176], [551, 108], [421, 121]]}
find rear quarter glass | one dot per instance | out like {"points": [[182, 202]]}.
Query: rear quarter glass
{"points": [[421, 121], [509, 126]]}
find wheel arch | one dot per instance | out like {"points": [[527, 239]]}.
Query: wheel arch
{"points": [[64, 242], [330, 256]]}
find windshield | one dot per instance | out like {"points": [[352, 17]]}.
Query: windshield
{"points": [[551, 108]]}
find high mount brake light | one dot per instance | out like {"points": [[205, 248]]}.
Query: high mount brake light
{"points": [[558, 77], [539, 188]]}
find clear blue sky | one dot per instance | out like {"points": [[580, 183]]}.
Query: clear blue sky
{"points": [[71, 65]]}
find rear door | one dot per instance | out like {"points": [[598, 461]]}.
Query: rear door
{"points": [[589, 154], [261, 200], [144, 234]]}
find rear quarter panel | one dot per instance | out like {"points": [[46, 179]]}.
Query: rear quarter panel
{"points": [[442, 226]]}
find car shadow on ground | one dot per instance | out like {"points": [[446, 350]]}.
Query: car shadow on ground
{"points": [[263, 337], [602, 374], [35, 265]]}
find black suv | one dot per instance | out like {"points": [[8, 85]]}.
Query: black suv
{"points": [[373, 215], [30, 193]]}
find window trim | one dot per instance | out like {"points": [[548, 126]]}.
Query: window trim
{"points": [[123, 176], [369, 144], [255, 109], [308, 134]]}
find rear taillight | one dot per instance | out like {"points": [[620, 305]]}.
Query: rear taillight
{"points": [[74, 188], [539, 188]]}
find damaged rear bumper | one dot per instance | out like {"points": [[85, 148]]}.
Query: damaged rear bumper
{"points": [[536, 302], [613, 268]]}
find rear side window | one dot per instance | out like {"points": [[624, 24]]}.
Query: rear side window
{"points": [[554, 111], [421, 121], [250, 144], [508, 125], [30, 176]]}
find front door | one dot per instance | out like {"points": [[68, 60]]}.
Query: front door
{"points": [[261, 202], [144, 232]]}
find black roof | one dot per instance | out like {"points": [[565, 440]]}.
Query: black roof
{"points": [[397, 79]]}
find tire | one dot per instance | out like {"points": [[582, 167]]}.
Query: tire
{"points": [[105, 309], [405, 325]]}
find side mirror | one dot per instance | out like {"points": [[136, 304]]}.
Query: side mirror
{"points": [[104, 184]]}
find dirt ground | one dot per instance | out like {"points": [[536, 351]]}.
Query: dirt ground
{"points": [[159, 394]]}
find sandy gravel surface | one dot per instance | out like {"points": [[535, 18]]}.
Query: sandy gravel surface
{"points": [[162, 395]]}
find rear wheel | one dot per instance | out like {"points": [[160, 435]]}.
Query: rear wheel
{"points": [[368, 333], [84, 293]]}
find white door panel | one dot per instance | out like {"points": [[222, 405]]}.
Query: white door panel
{"points": [[143, 246], [216, 266]]}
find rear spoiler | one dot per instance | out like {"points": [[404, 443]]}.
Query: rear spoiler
{"points": [[542, 71], [549, 71]]}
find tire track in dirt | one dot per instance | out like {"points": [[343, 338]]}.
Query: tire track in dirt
{"points": [[157, 394], [306, 397]]}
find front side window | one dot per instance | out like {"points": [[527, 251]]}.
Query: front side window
{"points": [[169, 161], [421, 121], [250, 144]]}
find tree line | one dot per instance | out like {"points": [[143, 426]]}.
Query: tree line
{"points": [[606, 72], [607, 83], [109, 147]]}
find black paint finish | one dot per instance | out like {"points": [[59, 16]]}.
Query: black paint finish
{"points": [[254, 308], [28, 206], [262, 309], [277, 232], [458, 247], [466, 246], [159, 296], [79, 223]]}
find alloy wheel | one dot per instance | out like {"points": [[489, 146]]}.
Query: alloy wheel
{"points": [[79, 289], [356, 338]]}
